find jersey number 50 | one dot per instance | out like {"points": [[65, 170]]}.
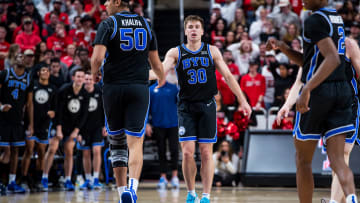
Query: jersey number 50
{"points": [[131, 38]]}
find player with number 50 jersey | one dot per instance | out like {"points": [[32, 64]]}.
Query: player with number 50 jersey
{"points": [[127, 43]]}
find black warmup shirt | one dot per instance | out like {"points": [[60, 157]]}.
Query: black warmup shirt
{"points": [[128, 39], [44, 100], [14, 91], [95, 118], [196, 74], [322, 24], [72, 109]]}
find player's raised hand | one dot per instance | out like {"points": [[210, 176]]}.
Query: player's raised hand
{"points": [[272, 44], [5, 107], [282, 113], [302, 103]]}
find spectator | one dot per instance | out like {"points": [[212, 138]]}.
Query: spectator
{"points": [[77, 9], [34, 14], [4, 47], [269, 6], [239, 19], [87, 29], [50, 28], [93, 9], [242, 53], [136, 8], [28, 59], [27, 39], [164, 126], [82, 56], [226, 165], [253, 85], [296, 44], [268, 31], [292, 32], [68, 58], [75, 27], [269, 97], [56, 77], [219, 31], [14, 49], [283, 19], [228, 9], [258, 27], [283, 80], [355, 32], [230, 38], [59, 38], [239, 31], [261, 59], [44, 7], [63, 17], [40, 50], [348, 12], [19, 29]]}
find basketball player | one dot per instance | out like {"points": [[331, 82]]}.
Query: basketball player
{"points": [[195, 64], [352, 54], [92, 133], [73, 103], [15, 93], [44, 101], [328, 113], [129, 43]]}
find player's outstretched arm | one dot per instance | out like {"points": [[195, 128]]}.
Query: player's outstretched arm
{"points": [[274, 44], [353, 52], [291, 100], [96, 60], [330, 63], [229, 78], [157, 67]]}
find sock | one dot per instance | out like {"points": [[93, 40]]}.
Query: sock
{"points": [[12, 178], [206, 195], [121, 190], [133, 183], [88, 176], [192, 192], [351, 199], [45, 176], [333, 201], [96, 175], [67, 178]]}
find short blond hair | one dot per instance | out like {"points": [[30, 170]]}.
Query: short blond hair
{"points": [[194, 18]]}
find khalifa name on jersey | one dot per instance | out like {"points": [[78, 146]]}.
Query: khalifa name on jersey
{"points": [[336, 19], [131, 22]]}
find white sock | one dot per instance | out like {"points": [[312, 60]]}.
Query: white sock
{"points": [[12, 178], [88, 176], [96, 175], [192, 192], [206, 195], [333, 201], [45, 176], [67, 178], [121, 190], [133, 183], [351, 199]]}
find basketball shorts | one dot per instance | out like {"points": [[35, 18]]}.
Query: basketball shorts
{"points": [[126, 108], [355, 120], [12, 135], [197, 121], [330, 113], [91, 139], [41, 134]]}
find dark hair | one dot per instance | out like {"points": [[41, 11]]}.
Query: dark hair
{"points": [[55, 60], [87, 72], [78, 70]]}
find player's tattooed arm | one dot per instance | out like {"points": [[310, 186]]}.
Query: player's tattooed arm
{"points": [[30, 111], [96, 60], [274, 44], [353, 53], [229, 79]]}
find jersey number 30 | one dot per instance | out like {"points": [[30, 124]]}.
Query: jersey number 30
{"points": [[198, 76], [131, 38]]}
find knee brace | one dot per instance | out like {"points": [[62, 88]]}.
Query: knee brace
{"points": [[118, 150]]}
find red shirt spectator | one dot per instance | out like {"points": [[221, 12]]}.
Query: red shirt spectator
{"points": [[94, 11], [63, 17], [27, 39], [19, 29], [228, 97], [4, 47], [68, 59], [253, 85], [59, 38]]}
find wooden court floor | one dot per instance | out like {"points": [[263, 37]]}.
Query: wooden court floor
{"points": [[149, 194]]}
